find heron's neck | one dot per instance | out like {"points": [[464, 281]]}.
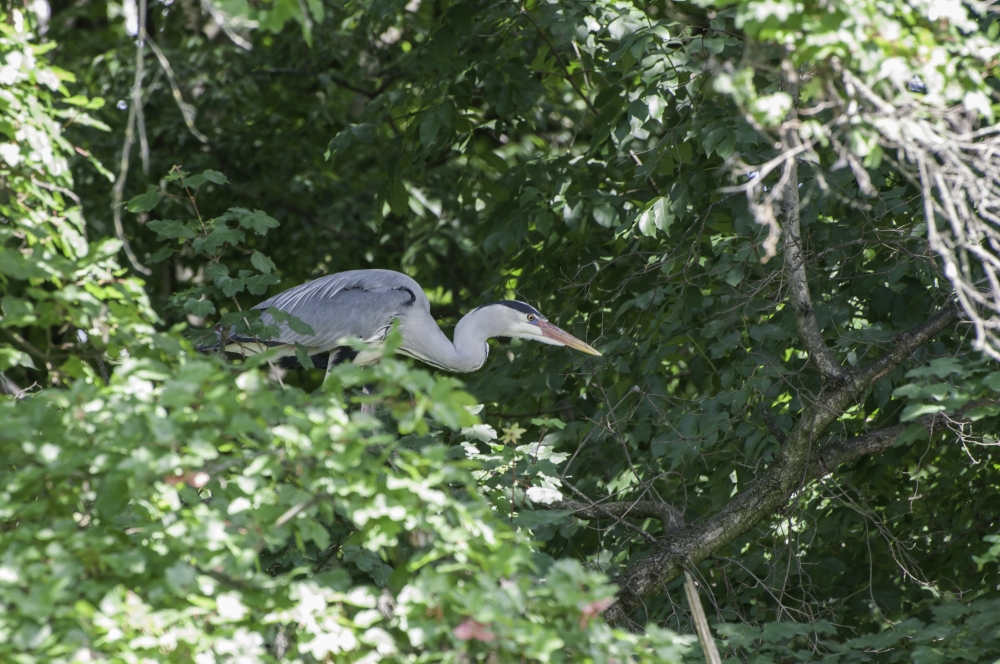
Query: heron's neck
{"points": [[466, 353]]}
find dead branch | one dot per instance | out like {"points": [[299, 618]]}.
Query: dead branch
{"points": [[957, 170], [134, 111]]}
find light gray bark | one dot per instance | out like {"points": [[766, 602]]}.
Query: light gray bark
{"points": [[795, 263]]}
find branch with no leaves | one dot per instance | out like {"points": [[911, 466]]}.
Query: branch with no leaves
{"points": [[229, 24], [700, 620], [957, 169], [785, 197], [134, 117], [795, 262], [843, 451]]}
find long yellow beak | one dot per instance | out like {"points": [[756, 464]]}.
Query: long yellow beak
{"points": [[550, 331]]}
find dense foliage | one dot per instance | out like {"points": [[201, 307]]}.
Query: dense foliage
{"points": [[720, 198]]}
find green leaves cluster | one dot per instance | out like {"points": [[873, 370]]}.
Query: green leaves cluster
{"points": [[210, 239], [181, 509], [65, 301], [135, 514], [946, 631]]}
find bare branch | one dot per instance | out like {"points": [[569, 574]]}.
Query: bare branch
{"points": [[773, 427], [188, 111], [133, 112], [844, 451], [569, 77], [229, 24], [700, 621], [957, 170], [795, 262], [906, 342]]}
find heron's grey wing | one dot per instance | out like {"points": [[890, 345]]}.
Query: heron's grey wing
{"points": [[360, 304]]}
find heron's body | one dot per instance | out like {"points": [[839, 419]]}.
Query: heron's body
{"points": [[363, 304]]}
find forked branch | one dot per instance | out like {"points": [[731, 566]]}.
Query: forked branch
{"points": [[800, 459], [795, 262]]}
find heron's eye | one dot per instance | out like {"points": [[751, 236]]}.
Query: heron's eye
{"points": [[531, 318]]}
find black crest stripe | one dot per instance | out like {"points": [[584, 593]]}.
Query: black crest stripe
{"points": [[517, 306]]}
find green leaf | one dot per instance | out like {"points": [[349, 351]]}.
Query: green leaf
{"points": [[294, 323], [429, 128], [992, 381], [262, 262], [145, 202], [257, 221], [399, 198], [112, 497], [217, 270], [17, 312], [168, 229], [232, 287], [258, 283], [11, 357], [302, 355], [605, 215], [200, 308], [196, 181], [657, 215], [494, 161], [159, 256], [314, 532]]}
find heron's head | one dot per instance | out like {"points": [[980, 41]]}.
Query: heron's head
{"points": [[511, 318]]}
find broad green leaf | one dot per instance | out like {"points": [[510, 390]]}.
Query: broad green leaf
{"points": [[399, 198], [145, 202], [262, 262], [257, 221], [200, 308], [657, 215]]}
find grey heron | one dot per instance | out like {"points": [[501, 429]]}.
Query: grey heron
{"points": [[363, 304]]}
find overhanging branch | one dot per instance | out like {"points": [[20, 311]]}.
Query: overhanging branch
{"points": [[844, 451], [799, 460]]}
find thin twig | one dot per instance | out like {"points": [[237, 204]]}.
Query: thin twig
{"points": [[187, 110], [223, 20], [118, 191]]}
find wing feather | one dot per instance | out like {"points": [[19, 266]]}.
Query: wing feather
{"points": [[358, 303]]}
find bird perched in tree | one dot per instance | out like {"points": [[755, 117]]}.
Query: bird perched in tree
{"points": [[363, 304]]}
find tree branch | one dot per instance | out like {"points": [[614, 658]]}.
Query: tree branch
{"points": [[558, 57], [844, 451], [795, 262], [906, 342], [640, 509], [799, 460]]}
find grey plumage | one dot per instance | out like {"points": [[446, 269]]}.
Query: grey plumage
{"points": [[362, 304]]}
